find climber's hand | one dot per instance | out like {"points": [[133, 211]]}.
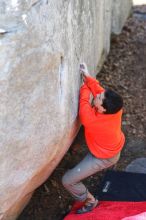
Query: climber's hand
{"points": [[84, 70]]}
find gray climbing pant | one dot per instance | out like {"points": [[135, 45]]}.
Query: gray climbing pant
{"points": [[87, 167]]}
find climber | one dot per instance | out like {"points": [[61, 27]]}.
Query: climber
{"points": [[103, 134]]}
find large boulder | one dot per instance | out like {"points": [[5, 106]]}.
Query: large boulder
{"points": [[120, 13], [42, 43]]}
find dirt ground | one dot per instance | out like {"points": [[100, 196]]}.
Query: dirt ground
{"points": [[124, 71]]}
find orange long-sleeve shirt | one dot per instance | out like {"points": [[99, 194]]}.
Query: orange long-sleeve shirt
{"points": [[102, 131]]}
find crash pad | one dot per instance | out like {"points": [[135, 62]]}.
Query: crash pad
{"points": [[121, 194], [123, 186], [108, 210]]}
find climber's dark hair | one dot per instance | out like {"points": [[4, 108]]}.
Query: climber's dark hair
{"points": [[112, 102]]}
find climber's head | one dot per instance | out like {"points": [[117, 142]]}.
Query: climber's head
{"points": [[108, 102]]}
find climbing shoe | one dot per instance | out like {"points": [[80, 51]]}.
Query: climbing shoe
{"points": [[87, 207]]}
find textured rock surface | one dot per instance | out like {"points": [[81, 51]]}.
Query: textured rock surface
{"points": [[120, 13], [42, 43], [137, 166]]}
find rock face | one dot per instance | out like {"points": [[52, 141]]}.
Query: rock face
{"points": [[42, 43], [137, 166], [120, 14]]}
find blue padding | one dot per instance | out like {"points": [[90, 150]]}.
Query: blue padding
{"points": [[123, 186]]}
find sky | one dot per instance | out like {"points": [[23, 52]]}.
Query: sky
{"points": [[139, 2]]}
